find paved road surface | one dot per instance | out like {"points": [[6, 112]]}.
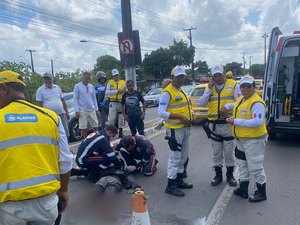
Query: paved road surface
{"points": [[216, 204]]}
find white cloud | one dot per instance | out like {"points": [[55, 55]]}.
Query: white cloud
{"points": [[56, 28]]}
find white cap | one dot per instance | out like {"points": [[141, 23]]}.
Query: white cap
{"points": [[48, 74], [179, 70], [217, 69], [115, 72], [247, 80]]}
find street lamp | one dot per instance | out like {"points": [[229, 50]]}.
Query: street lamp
{"points": [[97, 42]]}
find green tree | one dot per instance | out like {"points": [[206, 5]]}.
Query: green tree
{"points": [[158, 64], [67, 81], [181, 53], [257, 70], [201, 67], [235, 67], [106, 63]]}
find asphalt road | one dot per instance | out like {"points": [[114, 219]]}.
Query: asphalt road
{"points": [[215, 204]]}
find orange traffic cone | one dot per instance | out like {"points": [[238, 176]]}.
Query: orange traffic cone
{"points": [[140, 214]]}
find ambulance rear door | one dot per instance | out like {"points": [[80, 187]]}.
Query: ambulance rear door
{"points": [[270, 78]]}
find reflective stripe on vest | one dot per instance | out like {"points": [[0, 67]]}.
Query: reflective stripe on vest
{"points": [[178, 104], [28, 183], [28, 153], [116, 86], [27, 140], [218, 99]]}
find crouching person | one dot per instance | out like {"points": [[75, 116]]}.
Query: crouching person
{"points": [[138, 153], [95, 153]]}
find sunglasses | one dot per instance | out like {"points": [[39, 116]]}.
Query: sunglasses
{"points": [[246, 86]]}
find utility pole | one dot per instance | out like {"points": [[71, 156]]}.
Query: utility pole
{"points": [[31, 51], [191, 44], [244, 61], [129, 62], [52, 69], [250, 72], [265, 48]]}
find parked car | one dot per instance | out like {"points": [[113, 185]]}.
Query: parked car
{"points": [[188, 89], [75, 133], [198, 91], [152, 97]]}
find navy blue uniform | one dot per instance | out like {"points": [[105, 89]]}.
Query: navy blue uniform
{"points": [[95, 152]]}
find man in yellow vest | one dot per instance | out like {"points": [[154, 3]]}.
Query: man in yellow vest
{"points": [[35, 160], [116, 88], [249, 128], [220, 92], [175, 109]]}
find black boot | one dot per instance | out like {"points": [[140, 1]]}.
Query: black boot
{"points": [[242, 191], [182, 184], [121, 133], [218, 178], [230, 178], [259, 194], [172, 188], [184, 174]]}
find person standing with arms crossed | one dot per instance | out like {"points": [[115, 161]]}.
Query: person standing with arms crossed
{"points": [[49, 96], [35, 160], [249, 128], [85, 104], [116, 87], [220, 92], [131, 108], [174, 107]]}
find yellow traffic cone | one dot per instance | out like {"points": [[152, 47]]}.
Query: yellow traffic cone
{"points": [[140, 214]]}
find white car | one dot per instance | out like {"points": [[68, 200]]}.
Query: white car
{"points": [[152, 97]]}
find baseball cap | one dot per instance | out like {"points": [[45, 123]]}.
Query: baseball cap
{"points": [[100, 74], [48, 74], [179, 70], [9, 76], [115, 72], [216, 69], [247, 80]]}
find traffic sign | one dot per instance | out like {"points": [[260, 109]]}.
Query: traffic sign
{"points": [[126, 46]]}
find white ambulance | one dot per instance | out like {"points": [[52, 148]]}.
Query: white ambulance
{"points": [[282, 84]]}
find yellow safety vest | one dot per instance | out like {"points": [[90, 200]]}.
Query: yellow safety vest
{"points": [[218, 99], [243, 110], [179, 104], [116, 86], [28, 152]]}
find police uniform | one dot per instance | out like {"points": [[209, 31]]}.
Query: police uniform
{"points": [[223, 146], [32, 142], [249, 128], [115, 116], [175, 101]]}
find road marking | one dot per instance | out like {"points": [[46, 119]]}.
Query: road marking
{"points": [[216, 213]]}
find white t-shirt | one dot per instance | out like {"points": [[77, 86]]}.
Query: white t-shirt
{"points": [[51, 98]]}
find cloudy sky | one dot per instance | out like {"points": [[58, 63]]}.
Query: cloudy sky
{"points": [[225, 29]]}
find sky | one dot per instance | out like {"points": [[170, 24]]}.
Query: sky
{"points": [[225, 29]]}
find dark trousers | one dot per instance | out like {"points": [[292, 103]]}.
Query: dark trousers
{"points": [[136, 123]]}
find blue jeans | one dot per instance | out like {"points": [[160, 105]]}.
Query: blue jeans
{"points": [[136, 123]]}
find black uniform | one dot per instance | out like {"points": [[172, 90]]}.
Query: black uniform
{"points": [[95, 153]]}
